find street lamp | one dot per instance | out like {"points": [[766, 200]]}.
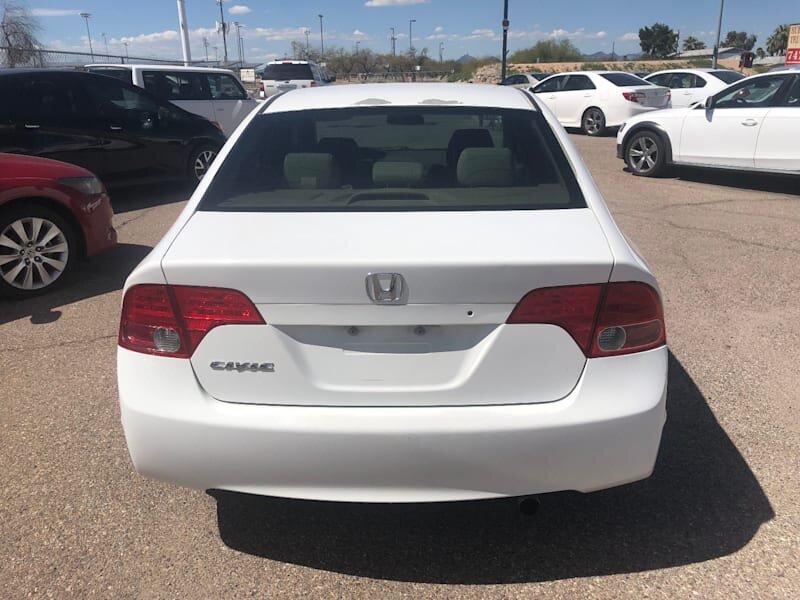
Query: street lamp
{"points": [[410, 37], [224, 29], [105, 41], [239, 40], [505, 40], [126, 49], [441, 52], [719, 31], [357, 43], [86, 17], [394, 39], [307, 31], [321, 41], [206, 45]]}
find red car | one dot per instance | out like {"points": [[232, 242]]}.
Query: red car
{"points": [[51, 213]]}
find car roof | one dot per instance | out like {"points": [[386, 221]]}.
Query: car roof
{"points": [[691, 70], [129, 66], [401, 94], [291, 62]]}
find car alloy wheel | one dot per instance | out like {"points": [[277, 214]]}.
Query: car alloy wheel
{"points": [[594, 121], [644, 154], [34, 253], [202, 162]]}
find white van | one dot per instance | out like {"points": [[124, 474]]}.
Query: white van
{"points": [[215, 94], [284, 75]]}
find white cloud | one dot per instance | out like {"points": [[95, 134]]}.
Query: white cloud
{"points": [[381, 3], [629, 37], [151, 38], [601, 35], [578, 34], [359, 34], [438, 29], [239, 9], [54, 12]]}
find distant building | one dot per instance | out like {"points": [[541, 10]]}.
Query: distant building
{"points": [[709, 53]]}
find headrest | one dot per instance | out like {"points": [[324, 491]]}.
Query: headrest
{"points": [[467, 138], [392, 173], [309, 170], [485, 167]]}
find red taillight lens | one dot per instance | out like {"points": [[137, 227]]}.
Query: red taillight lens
{"points": [[603, 319], [573, 308], [261, 86], [633, 96], [313, 84], [172, 320]]}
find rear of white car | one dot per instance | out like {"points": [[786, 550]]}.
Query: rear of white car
{"points": [[286, 75], [415, 293]]}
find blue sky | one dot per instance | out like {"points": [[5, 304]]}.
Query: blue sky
{"points": [[464, 26]]}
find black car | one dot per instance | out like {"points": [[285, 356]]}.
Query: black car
{"points": [[120, 132]]}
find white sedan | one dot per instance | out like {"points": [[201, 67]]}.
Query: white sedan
{"points": [[415, 292], [693, 85], [596, 100], [751, 125]]}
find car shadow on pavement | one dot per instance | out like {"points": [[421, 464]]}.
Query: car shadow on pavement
{"points": [[130, 198], [701, 503], [100, 275], [758, 182]]}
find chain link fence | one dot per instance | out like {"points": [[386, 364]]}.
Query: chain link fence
{"points": [[11, 57]]}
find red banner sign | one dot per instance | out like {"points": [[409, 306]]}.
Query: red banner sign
{"points": [[793, 48]]}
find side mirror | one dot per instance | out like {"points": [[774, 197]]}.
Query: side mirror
{"points": [[709, 103]]}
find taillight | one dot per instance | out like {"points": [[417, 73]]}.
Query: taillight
{"points": [[633, 96], [313, 84], [172, 320], [603, 319], [260, 86]]}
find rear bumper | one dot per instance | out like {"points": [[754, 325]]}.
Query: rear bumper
{"points": [[98, 230], [605, 433]]}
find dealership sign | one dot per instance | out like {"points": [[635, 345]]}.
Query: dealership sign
{"points": [[793, 48]]}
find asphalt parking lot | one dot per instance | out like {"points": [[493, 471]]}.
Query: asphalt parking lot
{"points": [[719, 517]]}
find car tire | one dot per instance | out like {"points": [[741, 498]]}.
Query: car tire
{"points": [[26, 268], [645, 154], [593, 122], [200, 161]]}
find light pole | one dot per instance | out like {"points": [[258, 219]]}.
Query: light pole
{"points": [[224, 30], [216, 54], [410, 36], [441, 52], [505, 40], [105, 42], [321, 41], [241, 50], [357, 43], [719, 31], [307, 31], [205, 45], [86, 16], [239, 40], [185, 47], [394, 39], [126, 49]]}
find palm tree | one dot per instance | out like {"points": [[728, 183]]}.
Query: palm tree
{"points": [[778, 41], [692, 43]]}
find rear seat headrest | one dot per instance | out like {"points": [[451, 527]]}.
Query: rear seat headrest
{"points": [[310, 170], [395, 173], [485, 167]]}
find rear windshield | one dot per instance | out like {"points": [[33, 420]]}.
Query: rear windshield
{"points": [[287, 71], [121, 74], [624, 79], [395, 159], [727, 76]]}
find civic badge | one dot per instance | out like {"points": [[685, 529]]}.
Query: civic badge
{"points": [[387, 288]]}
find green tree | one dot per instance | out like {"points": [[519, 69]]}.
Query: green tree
{"points": [[692, 43], [740, 39], [547, 51], [658, 40], [18, 29], [778, 41]]}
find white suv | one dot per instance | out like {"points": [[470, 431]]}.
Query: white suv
{"points": [[284, 75], [417, 297], [215, 94]]}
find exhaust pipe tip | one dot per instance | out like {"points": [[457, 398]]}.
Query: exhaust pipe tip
{"points": [[528, 505]]}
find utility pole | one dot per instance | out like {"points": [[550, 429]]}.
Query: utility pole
{"points": [[187, 52], [357, 43], [86, 16], [224, 30], [394, 39], [307, 31], [613, 46], [239, 40], [216, 54], [441, 52], [126, 49], [205, 45], [719, 31], [321, 41], [411, 37], [241, 43], [505, 40], [105, 41]]}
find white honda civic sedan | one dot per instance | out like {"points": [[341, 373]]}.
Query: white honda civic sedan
{"points": [[394, 293], [751, 125]]}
